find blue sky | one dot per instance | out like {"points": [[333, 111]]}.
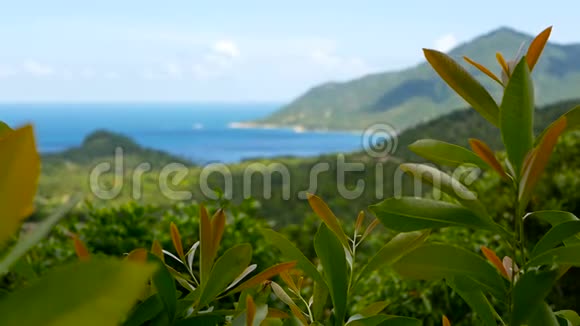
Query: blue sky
{"points": [[178, 50]]}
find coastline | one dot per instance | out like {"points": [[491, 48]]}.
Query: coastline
{"points": [[298, 128]]}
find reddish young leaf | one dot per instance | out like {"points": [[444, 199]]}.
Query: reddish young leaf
{"points": [[157, 250], [138, 255], [537, 161], [176, 238], [537, 46], [483, 69], [494, 259], [264, 276], [446, 321], [80, 249], [218, 224], [323, 211], [486, 154], [251, 311], [206, 245]]}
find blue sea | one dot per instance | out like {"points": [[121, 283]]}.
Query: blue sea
{"points": [[200, 132]]}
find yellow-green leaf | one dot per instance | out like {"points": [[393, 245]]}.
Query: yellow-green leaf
{"points": [[284, 297], [445, 153], [537, 46], [4, 128], [31, 238], [538, 161], [503, 64], [328, 217], [92, 293], [464, 85], [483, 69], [19, 172]]}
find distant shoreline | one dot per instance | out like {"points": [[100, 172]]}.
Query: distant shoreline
{"points": [[296, 128]]}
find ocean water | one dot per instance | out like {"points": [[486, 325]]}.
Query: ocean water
{"points": [[200, 132]]}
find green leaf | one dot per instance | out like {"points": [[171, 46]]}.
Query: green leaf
{"points": [[529, 294], [165, 286], [555, 236], [374, 308], [290, 252], [401, 321], [569, 255], [449, 185], [543, 316], [385, 320], [445, 153], [439, 261], [233, 262], [319, 298], [555, 218], [145, 311], [475, 298], [19, 172], [33, 237], [569, 315], [412, 214], [92, 293], [517, 115], [333, 260], [366, 321], [201, 320], [392, 251], [464, 85]]}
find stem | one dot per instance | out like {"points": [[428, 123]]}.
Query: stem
{"points": [[310, 315], [354, 244]]}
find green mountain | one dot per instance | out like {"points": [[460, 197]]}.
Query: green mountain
{"points": [[101, 145], [411, 96]]}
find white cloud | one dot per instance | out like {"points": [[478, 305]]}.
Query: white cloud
{"points": [[446, 42], [38, 69], [226, 48]]}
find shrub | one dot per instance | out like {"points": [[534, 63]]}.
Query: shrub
{"points": [[521, 281]]}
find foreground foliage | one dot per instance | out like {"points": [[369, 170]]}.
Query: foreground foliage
{"points": [[521, 281]]}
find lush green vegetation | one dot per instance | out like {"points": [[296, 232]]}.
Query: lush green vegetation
{"points": [[412, 96], [421, 260]]}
